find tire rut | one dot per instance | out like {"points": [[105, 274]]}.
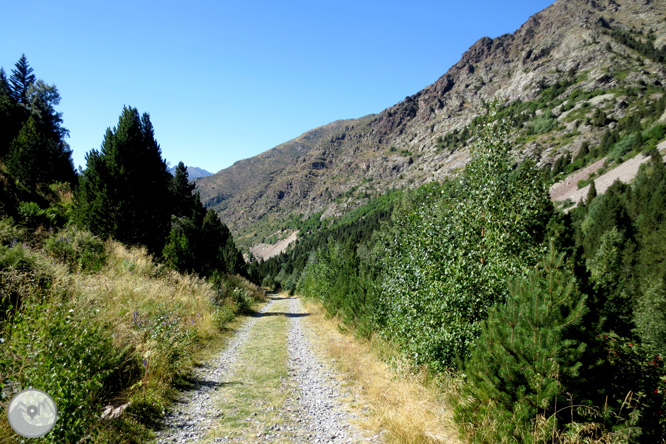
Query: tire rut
{"points": [[317, 390], [193, 414], [312, 411]]}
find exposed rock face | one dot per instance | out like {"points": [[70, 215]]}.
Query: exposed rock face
{"points": [[337, 167]]}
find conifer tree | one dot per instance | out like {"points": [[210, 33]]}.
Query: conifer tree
{"points": [[524, 357], [183, 192], [4, 83], [591, 193], [124, 190], [34, 158], [21, 79]]}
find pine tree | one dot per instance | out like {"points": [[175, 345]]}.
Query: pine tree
{"points": [[4, 83], [34, 158], [27, 106], [21, 79], [184, 200], [524, 358], [124, 191]]}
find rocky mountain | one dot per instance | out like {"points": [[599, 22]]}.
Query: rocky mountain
{"points": [[565, 77], [193, 172]]}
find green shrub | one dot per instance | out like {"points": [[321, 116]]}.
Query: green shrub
{"points": [[543, 123], [79, 249], [624, 146], [635, 397], [650, 315], [657, 132], [62, 350], [10, 233], [236, 290]]}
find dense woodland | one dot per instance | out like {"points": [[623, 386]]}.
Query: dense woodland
{"points": [[110, 277], [556, 321]]}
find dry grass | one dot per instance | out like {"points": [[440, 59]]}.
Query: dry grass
{"points": [[405, 407], [131, 282], [161, 320]]}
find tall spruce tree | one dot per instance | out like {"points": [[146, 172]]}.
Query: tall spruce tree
{"points": [[184, 199], [124, 190], [4, 83], [21, 79], [33, 129]]}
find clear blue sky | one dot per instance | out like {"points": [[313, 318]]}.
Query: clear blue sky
{"points": [[225, 80]]}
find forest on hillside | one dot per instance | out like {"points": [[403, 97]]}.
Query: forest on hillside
{"points": [[111, 278], [554, 321]]}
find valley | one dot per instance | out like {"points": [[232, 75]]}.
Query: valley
{"points": [[482, 262]]}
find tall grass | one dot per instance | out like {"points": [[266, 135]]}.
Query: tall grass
{"points": [[102, 327]]}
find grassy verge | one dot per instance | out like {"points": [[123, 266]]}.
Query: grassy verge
{"points": [[121, 332], [405, 407], [254, 402]]}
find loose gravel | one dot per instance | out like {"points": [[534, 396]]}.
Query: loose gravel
{"points": [[191, 418], [320, 406], [313, 412]]}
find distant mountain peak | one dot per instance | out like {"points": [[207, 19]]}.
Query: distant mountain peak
{"points": [[193, 172]]}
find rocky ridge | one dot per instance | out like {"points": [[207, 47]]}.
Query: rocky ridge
{"points": [[566, 48]]}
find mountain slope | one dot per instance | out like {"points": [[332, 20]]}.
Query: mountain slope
{"points": [[193, 172], [565, 63]]}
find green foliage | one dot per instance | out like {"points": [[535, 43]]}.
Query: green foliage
{"points": [[77, 248], [352, 229], [522, 357], [10, 233], [335, 277], [33, 140], [233, 294], [636, 394], [21, 79], [543, 123], [583, 151], [198, 241], [599, 118], [650, 315], [643, 47], [608, 277], [445, 262], [561, 163], [178, 251], [60, 349], [124, 191], [624, 146]]}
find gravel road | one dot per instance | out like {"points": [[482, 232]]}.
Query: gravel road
{"points": [[193, 414], [314, 407], [324, 418]]}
